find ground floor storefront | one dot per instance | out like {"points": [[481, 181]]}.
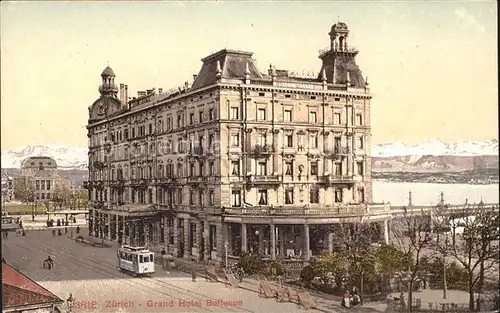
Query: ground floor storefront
{"points": [[204, 237]]}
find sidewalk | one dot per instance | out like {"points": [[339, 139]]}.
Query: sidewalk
{"points": [[325, 302]]}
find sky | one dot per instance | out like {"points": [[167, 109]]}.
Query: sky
{"points": [[432, 65]]}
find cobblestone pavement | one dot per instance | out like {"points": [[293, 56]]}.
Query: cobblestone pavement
{"points": [[90, 274]]}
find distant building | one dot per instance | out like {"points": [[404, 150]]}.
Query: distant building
{"points": [[41, 173], [7, 187], [21, 294]]}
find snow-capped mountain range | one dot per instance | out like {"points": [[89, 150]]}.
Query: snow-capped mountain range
{"points": [[437, 148], [68, 157]]}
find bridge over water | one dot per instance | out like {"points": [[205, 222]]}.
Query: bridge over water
{"points": [[452, 211]]}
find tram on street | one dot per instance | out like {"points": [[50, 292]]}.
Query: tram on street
{"points": [[135, 260], [10, 223]]}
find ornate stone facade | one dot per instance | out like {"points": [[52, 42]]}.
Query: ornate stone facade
{"points": [[41, 173], [238, 161]]}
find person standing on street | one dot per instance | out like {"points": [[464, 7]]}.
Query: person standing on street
{"points": [[193, 274]]}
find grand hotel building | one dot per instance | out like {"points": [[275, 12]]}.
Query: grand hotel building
{"points": [[237, 161]]}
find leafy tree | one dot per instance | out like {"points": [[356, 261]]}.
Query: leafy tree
{"points": [[364, 273], [355, 241], [82, 198], [456, 275], [476, 249], [24, 190], [390, 261], [62, 195], [250, 262], [330, 268], [411, 235]]}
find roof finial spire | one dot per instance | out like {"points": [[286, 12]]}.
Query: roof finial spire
{"points": [[338, 19]]}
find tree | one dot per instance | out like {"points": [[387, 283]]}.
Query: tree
{"points": [[456, 275], [82, 198], [390, 261], [355, 241], [62, 195], [24, 190], [474, 244], [330, 268], [411, 235]]}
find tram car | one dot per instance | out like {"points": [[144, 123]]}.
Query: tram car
{"points": [[10, 223], [136, 260]]}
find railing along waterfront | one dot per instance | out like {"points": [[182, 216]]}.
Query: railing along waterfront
{"points": [[352, 210]]}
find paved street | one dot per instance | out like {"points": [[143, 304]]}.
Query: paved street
{"points": [[90, 274]]}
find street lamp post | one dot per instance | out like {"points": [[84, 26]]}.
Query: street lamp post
{"points": [[444, 266], [70, 302]]}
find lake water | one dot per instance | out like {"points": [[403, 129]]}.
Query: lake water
{"points": [[429, 194]]}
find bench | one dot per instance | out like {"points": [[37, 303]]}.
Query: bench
{"points": [[306, 301], [211, 275], [267, 291], [233, 282]]}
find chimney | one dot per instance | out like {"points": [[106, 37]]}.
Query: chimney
{"points": [[125, 97], [160, 91], [141, 93], [122, 93], [194, 76]]}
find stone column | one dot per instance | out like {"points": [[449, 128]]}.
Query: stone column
{"points": [[221, 237], [272, 239], [117, 227], [261, 240], [147, 225], [227, 236], [306, 255], [281, 236], [187, 246], [386, 232], [175, 249], [199, 238], [166, 232], [330, 242], [92, 219], [275, 144], [206, 241], [243, 237]]}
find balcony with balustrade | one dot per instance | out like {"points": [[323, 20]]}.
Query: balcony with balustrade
{"points": [[259, 151], [331, 180], [264, 180], [166, 181], [337, 152], [139, 183], [343, 210]]}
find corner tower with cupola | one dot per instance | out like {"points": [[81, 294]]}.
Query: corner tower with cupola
{"points": [[108, 103]]}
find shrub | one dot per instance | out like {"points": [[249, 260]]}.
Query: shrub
{"points": [[250, 262], [274, 268], [307, 274]]}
